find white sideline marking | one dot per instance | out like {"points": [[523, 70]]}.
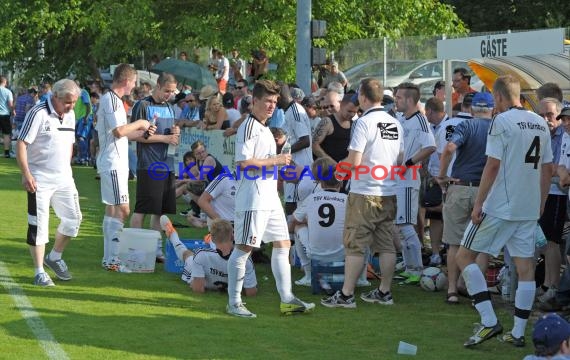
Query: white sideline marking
{"points": [[48, 343]]}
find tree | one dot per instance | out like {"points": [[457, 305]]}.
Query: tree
{"points": [[491, 15], [79, 36]]}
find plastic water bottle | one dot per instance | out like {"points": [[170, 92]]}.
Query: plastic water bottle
{"points": [[539, 238], [172, 149], [286, 149], [506, 284]]}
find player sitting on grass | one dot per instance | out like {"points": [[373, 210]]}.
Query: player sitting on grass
{"points": [[207, 269]]}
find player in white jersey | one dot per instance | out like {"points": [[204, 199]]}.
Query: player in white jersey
{"points": [[259, 215], [44, 150], [113, 160], [377, 145], [207, 269], [419, 145], [298, 129], [511, 197], [218, 199], [318, 221]]}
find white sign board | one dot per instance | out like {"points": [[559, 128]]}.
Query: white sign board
{"points": [[539, 42]]}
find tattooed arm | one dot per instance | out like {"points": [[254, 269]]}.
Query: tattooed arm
{"points": [[323, 129]]}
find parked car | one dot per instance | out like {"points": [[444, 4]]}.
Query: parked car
{"points": [[425, 72]]}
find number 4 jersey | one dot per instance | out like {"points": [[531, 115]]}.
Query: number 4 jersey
{"points": [[520, 139]]}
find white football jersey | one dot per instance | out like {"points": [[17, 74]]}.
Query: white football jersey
{"points": [[379, 137], [257, 190], [223, 192], [297, 125], [113, 152], [211, 265], [417, 136], [444, 135], [520, 139], [324, 212], [50, 143]]}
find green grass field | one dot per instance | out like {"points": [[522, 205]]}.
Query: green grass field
{"points": [[103, 315]]}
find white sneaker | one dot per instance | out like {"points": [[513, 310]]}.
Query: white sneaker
{"points": [[239, 310], [435, 260], [362, 282], [304, 281], [115, 265]]}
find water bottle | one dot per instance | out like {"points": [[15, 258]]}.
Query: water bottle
{"points": [[286, 149], [172, 149], [539, 238], [152, 123], [506, 284]]}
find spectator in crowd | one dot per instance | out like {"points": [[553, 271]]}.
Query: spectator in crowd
{"points": [[554, 215], [238, 69], [6, 112], [551, 338], [24, 102], [461, 167], [48, 179], [335, 75], [260, 64], [439, 91], [551, 90], [222, 70], [233, 114], [311, 108], [207, 269], [376, 141], [460, 82], [45, 91], [156, 192], [183, 56]]}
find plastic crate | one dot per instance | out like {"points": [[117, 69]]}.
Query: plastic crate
{"points": [[175, 265]]}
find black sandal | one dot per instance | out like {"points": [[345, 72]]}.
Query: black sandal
{"points": [[452, 302]]}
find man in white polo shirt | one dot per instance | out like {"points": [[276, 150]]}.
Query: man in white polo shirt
{"points": [[44, 151]]}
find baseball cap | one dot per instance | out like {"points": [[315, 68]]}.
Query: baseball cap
{"points": [[550, 331], [483, 99], [564, 112]]}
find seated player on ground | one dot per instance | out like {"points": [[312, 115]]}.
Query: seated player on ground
{"points": [[207, 269]]}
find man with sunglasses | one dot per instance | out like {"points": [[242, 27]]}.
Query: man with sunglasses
{"points": [[460, 83]]}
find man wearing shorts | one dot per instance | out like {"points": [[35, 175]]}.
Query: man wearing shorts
{"points": [[6, 111], [44, 150], [512, 193], [259, 214], [113, 160], [156, 188], [377, 141]]}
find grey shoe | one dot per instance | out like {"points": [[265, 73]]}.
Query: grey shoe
{"points": [[43, 279], [59, 267], [239, 310], [337, 301], [377, 297]]}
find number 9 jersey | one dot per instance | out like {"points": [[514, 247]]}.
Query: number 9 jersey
{"points": [[520, 139]]}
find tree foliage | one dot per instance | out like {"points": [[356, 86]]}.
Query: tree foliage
{"points": [[492, 15], [80, 36]]}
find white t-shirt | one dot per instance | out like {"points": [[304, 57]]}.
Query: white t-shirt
{"points": [[297, 125], [257, 188], [209, 264], [50, 143], [223, 192], [417, 136], [324, 212], [444, 135], [113, 151], [233, 115], [520, 139], [565, 153], [379, 137]]}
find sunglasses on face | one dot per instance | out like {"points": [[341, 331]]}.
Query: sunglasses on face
{"points": [[239, 87]]}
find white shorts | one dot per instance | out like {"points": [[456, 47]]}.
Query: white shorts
{"points": [[115, 187], [492, 234], [64, 200], [407, 204], [254, 226]]}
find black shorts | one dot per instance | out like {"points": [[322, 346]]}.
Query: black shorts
{"points": [[155, 195], [5, 124], [553, 218]]}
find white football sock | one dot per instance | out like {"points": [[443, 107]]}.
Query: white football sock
{"points": [[524, 298], [411, 247], [236, 275], [54, 255], [179, 247], [475, 283], [282, 273]]}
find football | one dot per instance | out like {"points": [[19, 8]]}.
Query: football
{"points": [[433, 279]]}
